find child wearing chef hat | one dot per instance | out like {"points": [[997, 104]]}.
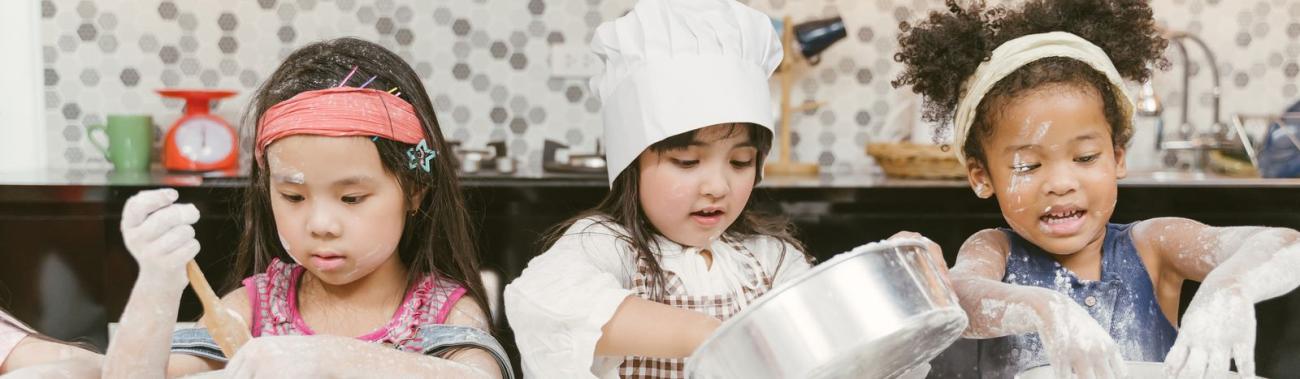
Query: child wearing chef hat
{"points": [[632, 286], [1040, 116]]}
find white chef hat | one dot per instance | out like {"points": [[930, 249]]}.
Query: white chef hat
{"points": [[672, 66]]}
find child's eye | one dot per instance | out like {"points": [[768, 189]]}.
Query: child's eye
{"points": [[291, 197], [354, 199], [684, 163], [1024, 168], [1086, 159], [742, 164]]}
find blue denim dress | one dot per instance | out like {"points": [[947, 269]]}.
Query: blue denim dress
{"points": [[1123, 302]]}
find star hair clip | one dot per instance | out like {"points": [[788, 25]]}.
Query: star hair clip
{"points": [[421, 156]]}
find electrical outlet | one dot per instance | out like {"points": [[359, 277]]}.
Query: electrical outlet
{"points": [[571, 61]]}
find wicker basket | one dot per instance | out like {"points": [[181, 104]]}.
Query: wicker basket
{"points": [[909, 160]]}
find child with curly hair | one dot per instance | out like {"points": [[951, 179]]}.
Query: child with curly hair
{"points": [[1040, 116]]}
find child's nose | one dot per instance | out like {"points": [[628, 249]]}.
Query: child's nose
{"points": [[715, 185], [321, 223], [1061, 181]]}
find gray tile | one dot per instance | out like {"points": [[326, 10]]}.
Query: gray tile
{"points": [[537, 115], [573, 137], [460, 114], [168, 54], [518, 104], [148, 43], [827, 117], [108, 21], [287, 12], [442, 16], [187, 21], [480, 82], [518, 125], [404, 36], [403, 14], [385, 26], [87, 32], [862, 118], [89, 77], [51, 77], [518, 61], [227, 21], [286, 34], [48, 10], [188, 43], [518, 39], [574, 94], [460, 27], [498, 115], [86, 9], [108, 44], [71, 111], [129, 76]]}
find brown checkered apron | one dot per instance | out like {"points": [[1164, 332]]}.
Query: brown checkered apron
{"points": [[755, 283]]}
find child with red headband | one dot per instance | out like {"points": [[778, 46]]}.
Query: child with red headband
{"points": [[355, 236]]}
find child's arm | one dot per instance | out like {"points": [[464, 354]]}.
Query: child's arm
{"points": [[1074, 341], [160, 237], [38, 358], [336, 356], [1237, 267], [645, 328]]}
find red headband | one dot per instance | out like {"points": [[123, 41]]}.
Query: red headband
{"points": [[339, 112]]}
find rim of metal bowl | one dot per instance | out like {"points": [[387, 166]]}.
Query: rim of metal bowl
{"points": [[876, 247]]}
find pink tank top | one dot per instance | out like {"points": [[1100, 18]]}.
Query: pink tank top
{"points": [[273, 297]]}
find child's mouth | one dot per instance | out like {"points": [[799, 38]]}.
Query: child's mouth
{"points": [[1062, 221], [327, 262], [707, 217]]}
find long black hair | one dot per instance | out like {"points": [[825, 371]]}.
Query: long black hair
{"points": [[942, 51], [437, 239], [622, 207]]}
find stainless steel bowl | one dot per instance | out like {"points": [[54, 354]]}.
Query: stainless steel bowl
{"points": [[873, 312]]}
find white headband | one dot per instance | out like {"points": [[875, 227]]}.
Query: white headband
{"points": [[1019, 52]]}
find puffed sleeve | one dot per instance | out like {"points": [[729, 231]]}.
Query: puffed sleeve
{"points": [[779, 258], [564, 297]]}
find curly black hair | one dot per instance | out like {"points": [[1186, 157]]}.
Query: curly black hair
{"points": [[941, 51]]}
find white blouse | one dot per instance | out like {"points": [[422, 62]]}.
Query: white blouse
{"points": [[559, 304]]}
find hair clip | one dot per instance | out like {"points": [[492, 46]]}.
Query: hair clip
{"points": [[349, 77], [420, 156], [367, 83], [374, 138]]}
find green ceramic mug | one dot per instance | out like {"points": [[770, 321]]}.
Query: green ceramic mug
{"points": [[130, 140]]}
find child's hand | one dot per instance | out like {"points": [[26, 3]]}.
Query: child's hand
{"points": [[936, 252], [159, 235], [1076, 343], [1219, 326]]}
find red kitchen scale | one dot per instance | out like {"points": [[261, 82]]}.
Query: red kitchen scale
{"points": [[199, 140]]}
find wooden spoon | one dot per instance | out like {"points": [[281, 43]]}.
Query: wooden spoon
{"points": [[225, 325]]}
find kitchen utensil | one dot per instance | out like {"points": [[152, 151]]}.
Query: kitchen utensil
{"points": [[130, 139], [225, 326], [199, 140], [817, 35], [874, 312]]}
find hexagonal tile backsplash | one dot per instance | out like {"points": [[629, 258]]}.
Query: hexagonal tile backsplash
{"points": [[485, 63]]}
